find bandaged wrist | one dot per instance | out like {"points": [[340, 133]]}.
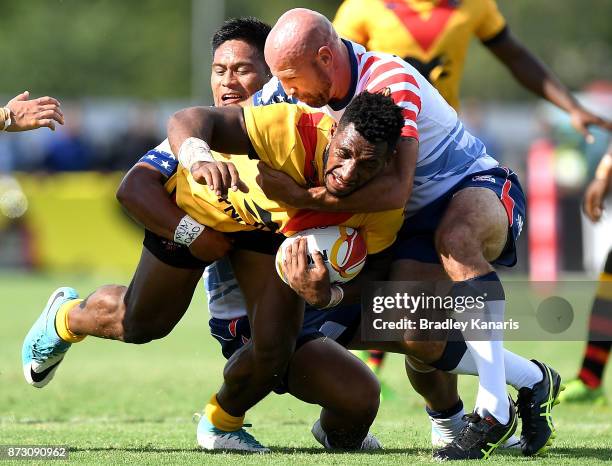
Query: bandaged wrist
{"points": [[194, 150], [187, 231], [337, 295], [604, 167]]}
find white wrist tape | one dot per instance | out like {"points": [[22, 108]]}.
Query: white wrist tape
{"points": [[187, 231], [5, 116], [337, 295], [194, 150]]}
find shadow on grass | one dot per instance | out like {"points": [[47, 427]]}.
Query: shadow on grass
{"points": [[277, 450], [580, 453], [557, 453]]}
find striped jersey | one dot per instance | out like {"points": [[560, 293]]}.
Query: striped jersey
{"points": [[447, 152]]}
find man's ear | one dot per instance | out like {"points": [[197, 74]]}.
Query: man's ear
{"points": [[325, 55]]}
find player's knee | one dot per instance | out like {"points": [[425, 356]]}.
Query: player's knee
{"points": [[424, 351], [457, 242], [366, 400], [272, 358]]}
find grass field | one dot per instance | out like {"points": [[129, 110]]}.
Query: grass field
{"points": [[114, 404]]}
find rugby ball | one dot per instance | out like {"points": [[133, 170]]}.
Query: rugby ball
{"points": [[343, 249]]}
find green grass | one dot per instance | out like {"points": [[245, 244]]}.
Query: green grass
{"points": [[117, 403]]}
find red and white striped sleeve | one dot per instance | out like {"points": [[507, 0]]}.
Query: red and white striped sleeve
{"points": [[394, 78]]}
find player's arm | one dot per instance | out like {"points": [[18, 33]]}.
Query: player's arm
{"points": [[599, 188], [194, 131], [144, 197], [313, 285], [535, 76], [391, 189]]}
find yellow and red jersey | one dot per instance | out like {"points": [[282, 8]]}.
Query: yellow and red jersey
{"points": [[432, 35], [292, 139]]}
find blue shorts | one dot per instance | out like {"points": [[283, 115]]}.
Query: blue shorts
{"points": [[338, 323], [416, 237]]}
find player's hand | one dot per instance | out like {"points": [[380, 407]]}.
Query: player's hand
{"points": [[32, 114], [280, 187], [219, 176], [210, 246], [594, 198], [581, 119], [312, 284]]}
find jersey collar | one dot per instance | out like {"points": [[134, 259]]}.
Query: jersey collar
{"points": [[340, 104]]}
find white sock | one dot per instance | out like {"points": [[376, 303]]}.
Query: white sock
{"points": [[492, 394], [520, 372], [445, 429]]}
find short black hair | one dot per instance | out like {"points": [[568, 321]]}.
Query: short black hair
{"points": [[376, 117], [249, 29]]}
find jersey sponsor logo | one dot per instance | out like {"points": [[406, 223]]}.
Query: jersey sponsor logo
{"points": [[519, 225], [484, 178]]}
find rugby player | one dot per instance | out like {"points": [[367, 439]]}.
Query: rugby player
{"points": [[296, 140], [434, 37], [457, 216], [299, 151], [587, 386], [349, 403]]}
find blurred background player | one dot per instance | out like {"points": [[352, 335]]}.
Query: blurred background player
{"points": [[587, 387], [434, 36]]}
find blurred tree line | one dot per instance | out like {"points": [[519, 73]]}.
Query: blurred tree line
{"points": [[75, 48]]}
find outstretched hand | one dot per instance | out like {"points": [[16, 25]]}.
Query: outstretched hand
{"points": [[593, 203], [581, 119], [32, 114]]}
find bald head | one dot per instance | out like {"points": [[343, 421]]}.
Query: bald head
{"points": [[298, 35], [306, 55]]}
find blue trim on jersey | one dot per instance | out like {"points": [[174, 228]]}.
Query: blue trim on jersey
{"points": [[442, 143], [340, 104], [218, 272], [277, 96], [455, 159], [219, 280], [214, 297], [163, 162]]}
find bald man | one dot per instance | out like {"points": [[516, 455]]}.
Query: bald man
{"points": [[464, 212]]}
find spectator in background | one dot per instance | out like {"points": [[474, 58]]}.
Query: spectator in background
{"points": [[21, 114], [141, 134], [69, 150]]}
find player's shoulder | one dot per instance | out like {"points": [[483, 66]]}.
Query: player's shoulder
{"points": [[161, 158], [272, 93]]}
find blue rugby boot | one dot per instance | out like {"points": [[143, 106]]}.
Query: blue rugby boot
{"points": [[211, 438], [43, 349]]}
